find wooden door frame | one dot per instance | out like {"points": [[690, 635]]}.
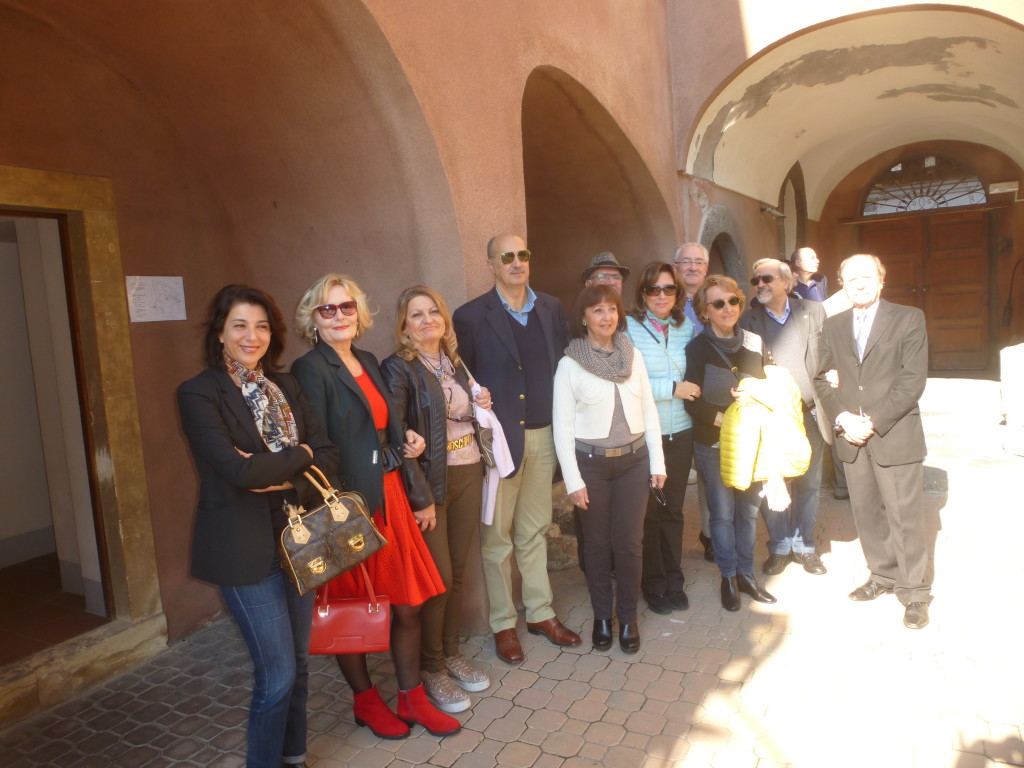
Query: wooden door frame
{"points": [[98, 309]]}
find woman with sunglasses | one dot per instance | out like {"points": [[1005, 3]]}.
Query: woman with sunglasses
{"points": [[660, 331], [346, 391], [718, 358], [252, 434], [433, 395], [606, 431]]}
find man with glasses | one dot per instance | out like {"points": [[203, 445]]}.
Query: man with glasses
{"points": [[790, 328], [691, 264], [605, 269], [511, 338]]}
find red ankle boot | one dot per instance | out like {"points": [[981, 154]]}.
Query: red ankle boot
{"points": [[371, 711], [414, 707]]}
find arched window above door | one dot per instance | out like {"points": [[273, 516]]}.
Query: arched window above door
{"points": [[921, 183]]}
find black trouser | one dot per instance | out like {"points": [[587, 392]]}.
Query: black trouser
{"points": [[613, 524], [663, 525]]}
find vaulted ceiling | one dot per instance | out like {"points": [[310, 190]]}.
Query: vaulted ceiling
{"points": [[839, 93]]}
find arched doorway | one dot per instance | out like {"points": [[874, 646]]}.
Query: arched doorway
{"points": [[588, 190]]}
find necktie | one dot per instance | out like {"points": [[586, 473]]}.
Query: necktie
{"points": [[861, 333]]}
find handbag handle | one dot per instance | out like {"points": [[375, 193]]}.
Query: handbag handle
{"points": [[326, 490], [369, 584]]}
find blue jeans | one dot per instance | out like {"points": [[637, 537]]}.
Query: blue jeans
{"points": [[733, 515], [792, 530], [275, 621]]}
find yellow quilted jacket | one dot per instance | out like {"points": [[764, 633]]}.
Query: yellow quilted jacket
{"points": [[765, 438]]}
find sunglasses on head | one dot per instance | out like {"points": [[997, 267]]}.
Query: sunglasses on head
{"points": [[507, 256], [327, 311], [654, 290], [761, 279], [732, 301]]}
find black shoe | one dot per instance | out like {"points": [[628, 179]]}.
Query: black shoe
{"points": [[748, 585], [659, 604], [774, 565], [810, 561], [869, 590], [916, 616], [730, 594], [709, 548], [602, 634], [840, 493], [678, 599], [629, 638]]}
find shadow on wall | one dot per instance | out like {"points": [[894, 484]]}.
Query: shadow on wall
{"points": [[587, 188]]}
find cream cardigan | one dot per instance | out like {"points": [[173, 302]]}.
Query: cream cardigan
{"points": [[583, 407]]}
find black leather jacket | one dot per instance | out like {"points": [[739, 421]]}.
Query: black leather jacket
{"points": [[419, 400]]}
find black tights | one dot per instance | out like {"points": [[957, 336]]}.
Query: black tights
{"points": [[405, 652]]}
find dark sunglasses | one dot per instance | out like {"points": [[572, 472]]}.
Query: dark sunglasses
{"points": [[719, 303], [659, 496], [507, 256], [761, 279], [327, 311], [654, 290]]}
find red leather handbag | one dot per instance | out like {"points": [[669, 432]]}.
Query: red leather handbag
{"points": [[351, 624]]}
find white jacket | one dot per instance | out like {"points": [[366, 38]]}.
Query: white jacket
{"points": [[583, 407]]}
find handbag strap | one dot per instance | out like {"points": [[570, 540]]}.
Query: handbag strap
{"points": [[326, 490], [369, 584]]}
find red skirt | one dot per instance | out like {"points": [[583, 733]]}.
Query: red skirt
{"points": [[403, 569]]}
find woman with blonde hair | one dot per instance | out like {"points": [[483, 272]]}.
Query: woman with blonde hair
{"points": [[347, 393], [433, 395]]}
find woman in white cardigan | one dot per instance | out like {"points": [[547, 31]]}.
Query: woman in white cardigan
{"points": [[608, 440]]}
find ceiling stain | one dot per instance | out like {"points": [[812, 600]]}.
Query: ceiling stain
{"points": [[982, 94], [827, 67]]}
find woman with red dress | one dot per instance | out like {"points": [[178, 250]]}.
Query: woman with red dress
{"points": [[347, 394]]}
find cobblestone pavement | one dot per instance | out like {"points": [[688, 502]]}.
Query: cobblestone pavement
{"points": [[815, 680]]}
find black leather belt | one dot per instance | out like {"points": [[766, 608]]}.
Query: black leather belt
{"points": [[611, 453]]}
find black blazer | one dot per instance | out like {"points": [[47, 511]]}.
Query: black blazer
{"points": [[337, 400], [420, 403], [489, 349], [886, 385], [233, 542]]}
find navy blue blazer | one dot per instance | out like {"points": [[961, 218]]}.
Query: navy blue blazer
{"points": [[489, 349], [338, 401], [233, 542]]}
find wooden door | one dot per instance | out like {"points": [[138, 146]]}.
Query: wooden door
{"points": [[940, 264]]}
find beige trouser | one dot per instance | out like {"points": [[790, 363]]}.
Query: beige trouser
{"points": [[523, 503]]}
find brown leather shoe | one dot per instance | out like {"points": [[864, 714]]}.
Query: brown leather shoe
{"points": [[506, 645], [555, 631]]}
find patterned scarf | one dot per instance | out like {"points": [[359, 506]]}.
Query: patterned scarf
{"points": [[270, 411], [616, 366]]}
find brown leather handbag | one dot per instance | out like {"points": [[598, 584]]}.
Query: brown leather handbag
{"points": [[351, 624], [334, 538]]}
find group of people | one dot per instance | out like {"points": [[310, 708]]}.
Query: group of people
{"points": [[624, 402]]}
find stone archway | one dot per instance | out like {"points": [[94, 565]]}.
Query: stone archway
{"points": [[720, 234], [587, 188]]}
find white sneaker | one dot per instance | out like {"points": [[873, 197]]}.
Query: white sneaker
{"points": [[465, 676], [443, 693]]}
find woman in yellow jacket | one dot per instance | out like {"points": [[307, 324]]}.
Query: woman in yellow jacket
{"points": [[716, 360]]}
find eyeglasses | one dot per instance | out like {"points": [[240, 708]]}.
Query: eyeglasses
{"points": [[654, 290], [689, 262], [327, 311], [507, 256], [766, 279], [719, 303], [613, 277]]}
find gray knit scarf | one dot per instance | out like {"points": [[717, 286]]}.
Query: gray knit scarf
{"points": [[616, 366]]}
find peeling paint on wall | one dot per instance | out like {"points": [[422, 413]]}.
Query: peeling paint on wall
{"points": [[828, 67], [981, 94]]}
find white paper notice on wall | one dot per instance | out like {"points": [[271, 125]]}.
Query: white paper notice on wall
{"points": [[155, 298]]}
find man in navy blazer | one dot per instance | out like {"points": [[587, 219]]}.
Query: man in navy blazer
{"points": [[511, 338], [880, 351]]}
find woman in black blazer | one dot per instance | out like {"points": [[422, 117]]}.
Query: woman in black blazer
{"points": [[251, 433], [347, 393]]}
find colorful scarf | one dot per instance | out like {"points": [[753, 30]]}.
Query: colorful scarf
{"points": [[270, 411]]}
